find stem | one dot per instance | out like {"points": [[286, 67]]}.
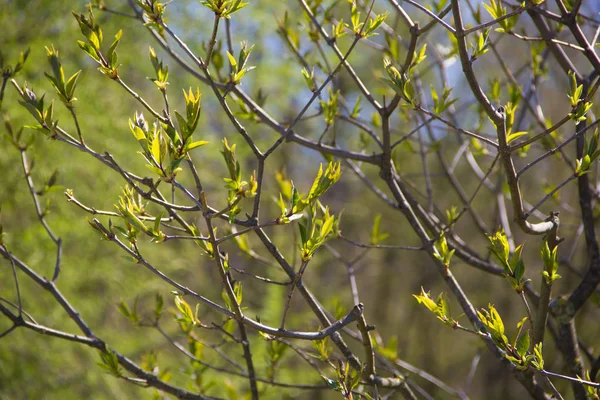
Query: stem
{"points": [[213, 40]]}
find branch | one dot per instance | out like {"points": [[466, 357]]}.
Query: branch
{"points": [[513, 183]]}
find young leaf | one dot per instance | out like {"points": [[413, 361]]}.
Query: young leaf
{"points": [[523, 344]]}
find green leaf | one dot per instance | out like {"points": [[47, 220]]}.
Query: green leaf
{"points": [[498, 324], [303, 236], [500, 249], [124, 309], [494, 325], [110, 362], [425, 299], [193, 145], [94, 40], [327, 225], [538, 361], [356, 110], [159, 306], [522, 322], [523, 344], [156, 170], [519, 270], [157, 222], [324, 180], [442, 304], [514, 136], [89, 50], [377, 237], [137, 131], [155, 149], [232, 60], [237, 290], [185, 309], [111, 51], [71, 83]]}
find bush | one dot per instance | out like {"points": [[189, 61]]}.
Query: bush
{"points": [[272, 231]]}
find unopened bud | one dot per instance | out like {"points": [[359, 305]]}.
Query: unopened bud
{"points": [[30, 95], [140, 121]]}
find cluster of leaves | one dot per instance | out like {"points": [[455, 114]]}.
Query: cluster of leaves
{"points": [[153, 12], [513, 265], [131, 206], [64, 88], [163, 147], [188, 124], [330, 107], [109, 362], [149, 363], [550, 258], [347, 379], [478, 148], [510, 111], [130, 313], [275, 352], [237, 291], [14, 136], [442, 251], [297, 203], [149, 360], [592, 392], [288, 33], [50, 184], [538, 67], [238, 188], [239, 67], [317, 230], [359, 28], [399, 81], [186, 317], [498, 12], [309, 78], [482, 45], [224, 8], [579, 105], [10, 72], [321, 226], [440, 307], [35, 106], [516, 351], [389, 350], [162, 71], [91, 30], [582, 165], [203, 243], [452, 215], [441, 104]]}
